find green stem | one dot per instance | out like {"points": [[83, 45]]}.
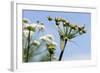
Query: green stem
{"points": [[61, 54], [50, 57], [28, 47], [66, 30], [69, 31], [60, 30]]}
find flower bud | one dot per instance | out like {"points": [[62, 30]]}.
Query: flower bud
{"points": [[65, 23], [30, 28], [25, 20], [82, 32], [57, 19], [63, 20], [49, 18]]}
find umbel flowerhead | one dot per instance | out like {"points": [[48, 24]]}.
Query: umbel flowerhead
{"points": [[51, 48], [50, 44], [35, 43], [31, 27], [69, 30]]}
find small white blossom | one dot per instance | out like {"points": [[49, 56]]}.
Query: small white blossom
{"points": [[35, 26], [36, 43], [44, 38], [54, 43], [40, 27], [48, 39], [27, 25]]}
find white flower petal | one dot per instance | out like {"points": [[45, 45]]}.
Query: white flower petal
{"points": [[54, 43], [35, 26], [26, 25], [48, 39], [36, 43], [40, 27], [44, 38], [50, 36]]}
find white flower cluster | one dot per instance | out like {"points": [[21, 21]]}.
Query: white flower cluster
{"points": [[48, 39], [35, 26], [35, 43], [40, 27]]}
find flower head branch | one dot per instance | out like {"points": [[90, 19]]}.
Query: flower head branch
{"points": [[68, 32]]}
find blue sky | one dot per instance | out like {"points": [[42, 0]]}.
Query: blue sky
{"points": [[80, 48]]}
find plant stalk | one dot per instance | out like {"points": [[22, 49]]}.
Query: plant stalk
{"points": [[61, 54], [50, 57], [27, 58]]}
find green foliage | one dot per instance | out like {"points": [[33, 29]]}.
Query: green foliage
{"points": [[71, 29]]}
